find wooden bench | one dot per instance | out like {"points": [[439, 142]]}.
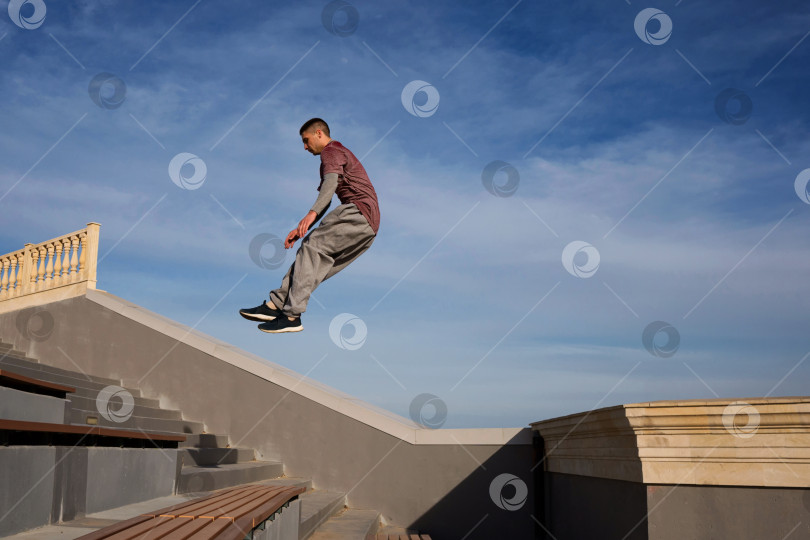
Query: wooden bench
{"points": [[10, 379], [66, 433], [229, 514], [399, 537]]}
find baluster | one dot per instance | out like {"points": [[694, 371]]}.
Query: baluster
{"points": [[41, 266], [82, 257], [34, 270], [74, 258], [4, 266], [49, 267], [66, 261], [57, 265], [14, 282]]}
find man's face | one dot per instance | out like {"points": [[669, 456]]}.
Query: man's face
{"points": [[314, 141]]}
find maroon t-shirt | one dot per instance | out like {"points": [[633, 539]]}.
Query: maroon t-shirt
{"points": [[354, 185]]}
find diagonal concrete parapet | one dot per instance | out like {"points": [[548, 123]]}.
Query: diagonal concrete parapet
{"points": [[371, 415], [434, 480]]}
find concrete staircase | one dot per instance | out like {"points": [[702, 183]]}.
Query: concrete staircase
{"points": [[208, 461]]}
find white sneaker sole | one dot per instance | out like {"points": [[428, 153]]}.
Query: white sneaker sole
{"points": [[288, 329], [258, 318]]}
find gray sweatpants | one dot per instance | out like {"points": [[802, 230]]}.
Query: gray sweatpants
{"points": [[342, 236]]}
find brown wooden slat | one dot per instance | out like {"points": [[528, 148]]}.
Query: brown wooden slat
{"points": [[48, 427], [269, 508], [161, 531], [236, 509], [211, 530], [212, 509], [235, 530], [140, 531], [228, 515], [6, 375], [188, 529], [255, 517], [101, 534], [188, 508]]}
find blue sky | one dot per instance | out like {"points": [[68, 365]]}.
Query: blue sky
{"points": [[616, 143]]}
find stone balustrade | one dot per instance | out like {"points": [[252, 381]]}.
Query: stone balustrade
{"points": [[61, 267]]}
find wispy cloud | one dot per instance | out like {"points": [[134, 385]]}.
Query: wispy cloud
{"points": [[611, 131]]}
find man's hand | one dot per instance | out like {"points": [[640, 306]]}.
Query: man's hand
{"points": [[301, 230]]}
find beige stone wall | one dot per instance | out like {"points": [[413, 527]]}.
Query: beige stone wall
{"points": [[734, 442]]}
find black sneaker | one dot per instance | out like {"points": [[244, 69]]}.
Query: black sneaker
{"points": [[260, 313], [282, 324]]}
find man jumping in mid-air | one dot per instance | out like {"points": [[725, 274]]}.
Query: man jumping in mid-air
{"points": [[343, 235]]}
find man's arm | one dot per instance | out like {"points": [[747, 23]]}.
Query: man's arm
{"points": [[328, 187]]}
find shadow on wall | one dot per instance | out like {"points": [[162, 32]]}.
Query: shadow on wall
{"points": [[496, 502], [576, 507]]}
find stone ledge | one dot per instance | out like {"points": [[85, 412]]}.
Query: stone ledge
{"points": [[38, 298], [737, 442]]}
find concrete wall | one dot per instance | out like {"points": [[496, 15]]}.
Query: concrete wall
{"points": [[442, 489], [27, 487], [120, 476], [578, 507], [45, 484], [709, 512]]}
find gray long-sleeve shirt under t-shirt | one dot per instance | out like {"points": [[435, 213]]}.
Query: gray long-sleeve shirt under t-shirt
{"points": [[328, 187]]}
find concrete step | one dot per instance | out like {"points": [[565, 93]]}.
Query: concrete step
{"points": [[83, 388], [390, 531], [88, 404], [207, 478], [30, 407], [215, 456], [316, 508], [145, 423], [92, 393], [351, 524], [205, 440], [5, 348], [77, 380], [33, 364]]}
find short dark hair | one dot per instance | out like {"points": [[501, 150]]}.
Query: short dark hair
{"points": [[314, 123]]}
